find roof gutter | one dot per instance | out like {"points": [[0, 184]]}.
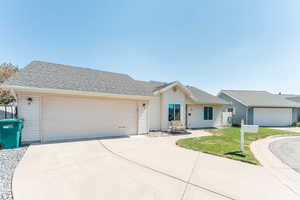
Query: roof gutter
{"points": [[209, 103], [275, 106], [74, 92]]}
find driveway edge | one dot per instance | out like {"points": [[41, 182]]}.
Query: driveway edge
{"points": [[262, 152]]}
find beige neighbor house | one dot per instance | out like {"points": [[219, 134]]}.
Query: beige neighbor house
{"points": [[60, 102]]}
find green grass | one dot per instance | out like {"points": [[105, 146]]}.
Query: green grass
{"points": [[226, 142]]}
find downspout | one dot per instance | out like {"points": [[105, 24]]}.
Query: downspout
{"points": [[247, 112], [161, 110]]}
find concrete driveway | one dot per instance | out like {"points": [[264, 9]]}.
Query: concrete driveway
{"points": [[139, 167]]}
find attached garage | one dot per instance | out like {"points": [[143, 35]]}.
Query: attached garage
{"points": [[67, 117], [272, 116]]}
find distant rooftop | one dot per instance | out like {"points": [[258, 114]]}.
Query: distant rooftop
{"points": [[254, 98], [292, 97]]}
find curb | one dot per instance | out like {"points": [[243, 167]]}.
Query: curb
{"points": [[285, 174]]}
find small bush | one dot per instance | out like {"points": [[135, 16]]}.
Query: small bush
{"points": [[296, 124]]}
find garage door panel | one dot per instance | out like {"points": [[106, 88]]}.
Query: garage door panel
{"points": [[68, 118], [273, 116]]}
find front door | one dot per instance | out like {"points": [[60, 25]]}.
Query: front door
{"points": [[29, 110], [142, 118]]}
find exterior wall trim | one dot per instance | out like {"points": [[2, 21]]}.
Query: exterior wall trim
{"points": [[73, 92], [176, 83]]}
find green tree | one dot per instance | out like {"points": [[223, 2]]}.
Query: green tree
{"points": [[6, 70]]}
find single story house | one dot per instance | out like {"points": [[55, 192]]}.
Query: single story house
{"points": [[260, 108], [295, 98], [60, 102]]}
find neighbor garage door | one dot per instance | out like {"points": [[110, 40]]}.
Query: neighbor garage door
{"points": [[73, 118], [272, 116]]}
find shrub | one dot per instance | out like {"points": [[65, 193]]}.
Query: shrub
{"points": [[296, 124]]}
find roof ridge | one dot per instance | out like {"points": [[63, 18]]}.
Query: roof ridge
{"points": [[247, 90], [77, 67], [289, 94]]}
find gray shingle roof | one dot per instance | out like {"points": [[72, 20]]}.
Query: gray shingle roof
{"points": [[56, 76], [295, 99], [163, 86], [292, 97], [260, 98], [46, 75], [204, 97]]}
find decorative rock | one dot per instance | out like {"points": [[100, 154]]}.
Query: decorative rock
{"points": [[9, 159]]}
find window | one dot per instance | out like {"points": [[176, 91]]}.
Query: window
{"points": [[208, 113], [230, 110], [174, 112]]}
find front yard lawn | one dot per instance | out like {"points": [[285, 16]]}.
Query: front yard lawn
{"points": [[226, 142]]}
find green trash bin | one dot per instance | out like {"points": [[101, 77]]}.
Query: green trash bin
{"points": [[10, 133]]}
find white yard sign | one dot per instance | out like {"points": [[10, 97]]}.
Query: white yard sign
{"points": [[248, 129]]}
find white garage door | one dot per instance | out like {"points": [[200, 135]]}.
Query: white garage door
{"points": [[73, 118], [273, 116]]}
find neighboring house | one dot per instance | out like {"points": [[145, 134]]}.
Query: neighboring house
{"points": [[260, 108], [60, 102], [295, 98]]}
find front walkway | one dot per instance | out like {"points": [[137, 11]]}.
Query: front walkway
{"points": [[139, 167]]}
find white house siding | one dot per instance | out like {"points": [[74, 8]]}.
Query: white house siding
{"points": [[154, 113], [196, 119], [172, 96]]}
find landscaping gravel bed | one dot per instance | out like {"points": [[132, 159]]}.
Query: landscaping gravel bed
{"points": [[9, 159]]}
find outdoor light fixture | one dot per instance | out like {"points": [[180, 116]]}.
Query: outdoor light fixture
{"points": [[144, 105], [29, 100]]}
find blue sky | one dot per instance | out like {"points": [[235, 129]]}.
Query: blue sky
{"points": [[210, 44]]}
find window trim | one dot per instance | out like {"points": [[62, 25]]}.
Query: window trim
{"points": [[209, 116], [174, 112]]}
